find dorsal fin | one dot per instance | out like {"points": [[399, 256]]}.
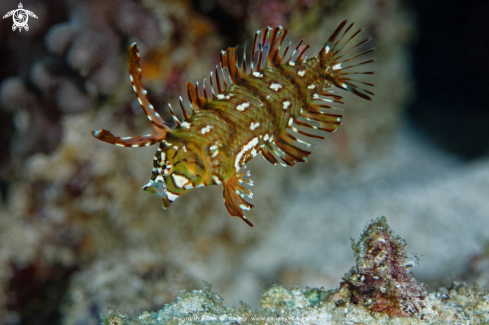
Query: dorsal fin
{"points": [[265, 52], [196, 101]]}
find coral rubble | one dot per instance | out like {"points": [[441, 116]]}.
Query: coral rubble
{"points": [[387, 294]]}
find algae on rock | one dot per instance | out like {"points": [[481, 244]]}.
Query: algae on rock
{"points": [[379, 289], [381, 280]]}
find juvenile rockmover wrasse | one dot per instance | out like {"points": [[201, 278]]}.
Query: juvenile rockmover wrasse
{"points": [[256, 98]]}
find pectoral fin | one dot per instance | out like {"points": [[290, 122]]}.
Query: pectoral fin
{"points": [[234, 192]]}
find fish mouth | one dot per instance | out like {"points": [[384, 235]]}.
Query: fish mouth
{"points": [[155, 188], [159, 188]]}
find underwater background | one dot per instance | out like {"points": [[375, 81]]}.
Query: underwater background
{"points": [[78, 236]]}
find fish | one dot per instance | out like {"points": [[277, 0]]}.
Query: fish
{"points": [[260, 96]]}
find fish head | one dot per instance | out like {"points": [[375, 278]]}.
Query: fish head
{"points": [[178, 167]]}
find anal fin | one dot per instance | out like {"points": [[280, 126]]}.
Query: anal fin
{"points": [[268, 155], [327, 121], [234, 192], [290, 153], [319, 115]]}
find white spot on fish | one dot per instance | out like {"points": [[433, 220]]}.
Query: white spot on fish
{"points": [[291, 63], [290, 121], [134, 88], [286, 104], [186, 125], [244, 149], [144, 92], [337, 66], [244, 207], [135, 145], [327, 49], [257, 74], [159, 178], [275, 86], [338, 119], [130, 77], [216, 179], [311, 86], [214, 150], [206, 129], [151, 106], [242, 106], [171, 196], [140, 101], [253, 126], [147, 144], [220, 96], [188, 186], [163, 156], [119, 144], [301, 73], [179, 180], [266, 137]]}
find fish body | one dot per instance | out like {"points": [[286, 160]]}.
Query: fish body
{"points": [[253, 105]]}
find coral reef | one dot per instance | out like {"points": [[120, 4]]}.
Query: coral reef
{"points": [[394, 298], [74, 209], [381, 280]]}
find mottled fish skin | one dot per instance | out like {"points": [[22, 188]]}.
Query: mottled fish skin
{"points": [[250, 111]]}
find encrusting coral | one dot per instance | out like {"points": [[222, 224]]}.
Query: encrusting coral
{"points": [[379, 289], [381, 280]]}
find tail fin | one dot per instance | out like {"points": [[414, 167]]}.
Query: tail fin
{"points": [[344, 54]]}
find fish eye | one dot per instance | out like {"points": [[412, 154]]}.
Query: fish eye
{"points": [[166, 168]]}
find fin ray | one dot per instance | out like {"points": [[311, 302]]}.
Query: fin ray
{"points": [[160, 129], [233, 193], [341, 49]]}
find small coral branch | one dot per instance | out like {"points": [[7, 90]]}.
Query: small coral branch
{"points": [[381, 279]]}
